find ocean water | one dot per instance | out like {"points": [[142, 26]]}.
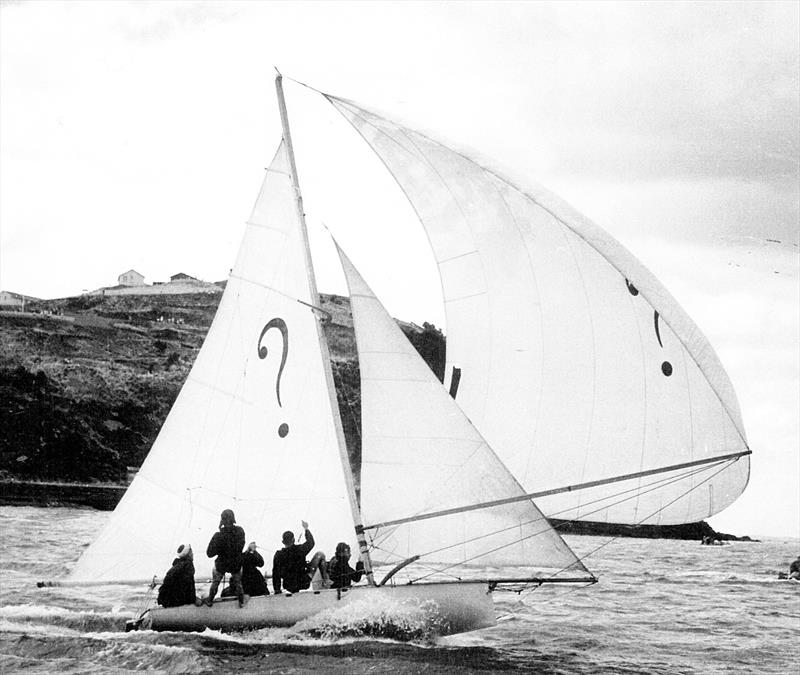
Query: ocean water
{"points": [[661, 607]]}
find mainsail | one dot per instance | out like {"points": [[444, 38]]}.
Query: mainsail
{"points": [[253, 428], [421, 454], [575, 363]]}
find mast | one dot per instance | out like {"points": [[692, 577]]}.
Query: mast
{"points": [[323, 344]]}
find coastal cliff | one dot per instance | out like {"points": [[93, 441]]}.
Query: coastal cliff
{"points": [[86, 382]]}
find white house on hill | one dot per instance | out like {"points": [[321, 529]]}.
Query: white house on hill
{"points": [[9, 300], [130, 278]]}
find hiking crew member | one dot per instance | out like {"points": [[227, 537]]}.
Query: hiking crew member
{"points": [[252, 580], [289, 567], [226, 545], [178, 586], [339, 570]]}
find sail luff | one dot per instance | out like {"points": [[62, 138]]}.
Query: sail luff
{"points": [[323, 344]]}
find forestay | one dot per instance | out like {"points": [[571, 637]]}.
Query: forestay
{"points": [[421, 454], [252, 429], [576, 364]]}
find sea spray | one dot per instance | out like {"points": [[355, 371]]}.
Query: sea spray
{"points": [[28, 615], [378, 615]]}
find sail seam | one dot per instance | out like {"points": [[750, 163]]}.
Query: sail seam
{"points": [[644, 395], [444, 261], [260, 284], [468, 224], [534, 422], [585, 236], [400, 186], [459, 298], [593, 336], [691, 424], [231, 394], [262, 226]]}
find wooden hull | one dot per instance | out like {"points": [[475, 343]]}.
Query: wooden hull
{"points": [[456, 607]]}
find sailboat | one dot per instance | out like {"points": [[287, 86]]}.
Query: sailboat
{"points": [[573, 377]]}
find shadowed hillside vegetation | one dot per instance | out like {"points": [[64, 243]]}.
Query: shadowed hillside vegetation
{"points": [[86, 382]]}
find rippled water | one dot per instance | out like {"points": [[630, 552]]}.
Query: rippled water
{"points": [[661, 607]]}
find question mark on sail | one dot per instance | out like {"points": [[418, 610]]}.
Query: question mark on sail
{"points": [[280, 324], [666, 366]]}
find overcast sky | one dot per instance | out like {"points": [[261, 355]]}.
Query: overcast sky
{"points": [[135, 135]]}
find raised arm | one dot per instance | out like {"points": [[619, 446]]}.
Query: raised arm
{"points": [[308, 544]]}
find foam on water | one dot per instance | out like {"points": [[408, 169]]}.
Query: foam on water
{"points": [[660, 607], [378, 616], [30, 615]]}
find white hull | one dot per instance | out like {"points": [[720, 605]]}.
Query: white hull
{"points": [[459, 607]]}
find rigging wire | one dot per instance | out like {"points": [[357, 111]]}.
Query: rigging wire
{"points": [[657, 511], [612, 539], [147, 601], [579, 560], [427, 566], [654, 485]]}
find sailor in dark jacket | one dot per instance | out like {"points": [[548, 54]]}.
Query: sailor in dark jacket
{"points": [[226, 545], [289, 567], [252, 580], [178, 586], [339, 570]]}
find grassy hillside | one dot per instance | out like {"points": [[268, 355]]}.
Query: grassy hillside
{"points": [[86, 382]]}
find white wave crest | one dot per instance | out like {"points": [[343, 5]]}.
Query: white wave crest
{"points": [[378, 615]]}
